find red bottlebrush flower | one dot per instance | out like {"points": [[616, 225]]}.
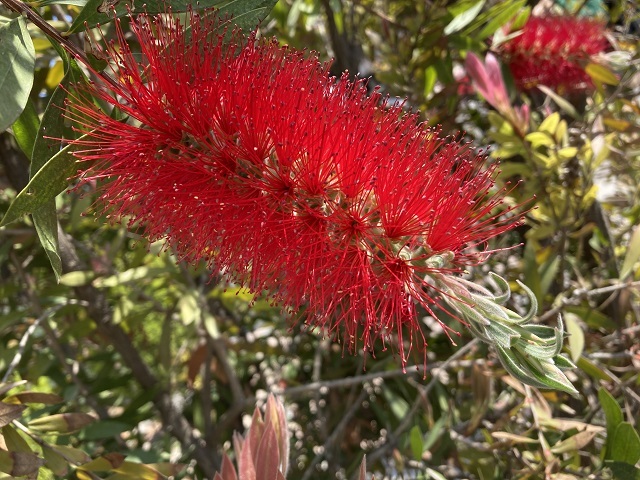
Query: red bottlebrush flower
{"points": [[247, 155], [553, 51]]}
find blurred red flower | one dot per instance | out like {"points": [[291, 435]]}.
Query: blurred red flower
{"points": [[247, 155], [553, 51]]}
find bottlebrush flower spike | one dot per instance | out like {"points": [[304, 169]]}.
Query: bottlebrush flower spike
{"points": [[246, 154], [553, 51]]}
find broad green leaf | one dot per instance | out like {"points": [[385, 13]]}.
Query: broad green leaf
{"points": [[464, 18], [623, 471], [246, 13], [50, 180], [633, 253], [25, 128], [625, 446], [46, 144], [17, 64], [613, 416]]}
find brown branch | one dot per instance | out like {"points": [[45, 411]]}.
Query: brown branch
{"points": [[100, 311]]}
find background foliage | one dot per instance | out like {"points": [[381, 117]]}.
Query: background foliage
{"points": [[121, 362]]}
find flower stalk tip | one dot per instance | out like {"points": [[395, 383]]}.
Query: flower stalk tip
{"points": [[529, 352]]}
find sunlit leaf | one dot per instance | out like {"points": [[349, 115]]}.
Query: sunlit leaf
{"points": [[17, 64]]}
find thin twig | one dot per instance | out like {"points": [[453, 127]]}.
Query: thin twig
{"points": [[24, 341], [337, 432], [580, 294], [407, 421]]}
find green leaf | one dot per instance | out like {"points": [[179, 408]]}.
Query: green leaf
{"points": [[464, 19], [576, 336], [46, 144], [625, 446], [561, 102], [601, 74], [430, 79], [540, 139], [574, 442], [550, 123], [623, 471], [61, 423], [415, 440], [246, 13], [50, 180], [633, 253], [501, 16], [25, 128], [613, 416], [17, 64]]}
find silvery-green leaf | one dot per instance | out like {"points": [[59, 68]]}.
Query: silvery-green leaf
{"points": [[517, 369], [504, 289], [533, 306], [503, 335], [564, 362]]}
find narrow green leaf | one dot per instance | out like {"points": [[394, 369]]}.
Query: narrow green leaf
{"points": [[601, 74], [625, 446], [61, 423], [561, 102], [633, 253], [502, 16], [415, 440], [463, 19], [25, 128], [564, 363], [576, 336], [430, 79], [613, 416], [17, 64], [573, 443]]}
